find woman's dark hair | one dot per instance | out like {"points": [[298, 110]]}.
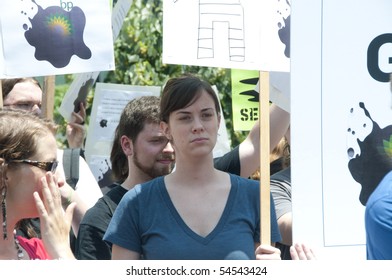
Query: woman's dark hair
{"points": [[182, 92]]}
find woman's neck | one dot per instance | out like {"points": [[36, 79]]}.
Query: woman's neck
{"points": [[197, 168], [10, 249]]}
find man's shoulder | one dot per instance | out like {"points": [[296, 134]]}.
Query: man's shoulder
{"points": [[283, 175], [158, 181], [229, 162], [105, 206]]}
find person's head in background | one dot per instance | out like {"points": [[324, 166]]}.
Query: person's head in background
{"points": [[279, 157], [28, 150], [23, 94], [281, 152], [139, 145]]}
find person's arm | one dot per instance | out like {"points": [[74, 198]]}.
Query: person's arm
{"points": [[249, 149], [280, 186], [119, 253], [76, 130], [285, 227]]}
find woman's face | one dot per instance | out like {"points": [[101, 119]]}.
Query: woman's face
{"points": [[25, 179], [194, 129]]}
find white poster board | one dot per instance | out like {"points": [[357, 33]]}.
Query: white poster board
{"points": [[54, 37], [338, 65], [238, 34]]}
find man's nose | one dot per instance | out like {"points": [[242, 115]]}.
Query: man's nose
{"points": [[168, 148], [36, 110]]}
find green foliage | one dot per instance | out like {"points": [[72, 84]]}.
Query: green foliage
{"points": [[138, 58]]}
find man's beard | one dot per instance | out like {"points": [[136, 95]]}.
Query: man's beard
{"points": [[153, 171]]}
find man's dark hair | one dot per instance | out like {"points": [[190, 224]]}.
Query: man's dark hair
{"points": [[136, 114]]}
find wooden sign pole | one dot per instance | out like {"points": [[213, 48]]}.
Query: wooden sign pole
{"points": [[48, 97], [1, 95], [265, 203]]}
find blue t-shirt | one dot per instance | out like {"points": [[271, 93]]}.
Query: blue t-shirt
{"points": [[147, 222], [378, 221]]}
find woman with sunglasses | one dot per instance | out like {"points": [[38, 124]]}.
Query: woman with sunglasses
{"points": [[29, 188]]}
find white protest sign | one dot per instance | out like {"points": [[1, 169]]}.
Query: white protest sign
{"points": [[54, 37], [238, 34], [339, 99]]}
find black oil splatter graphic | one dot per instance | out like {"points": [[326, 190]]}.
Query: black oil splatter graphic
{"points": [[82, 94], [374, 161], [103, 123], [284, 28], [57, 35]]}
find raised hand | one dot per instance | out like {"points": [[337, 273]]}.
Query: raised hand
{"points": [[55, 224], [75, 130], [301, 252], [267, 252]]}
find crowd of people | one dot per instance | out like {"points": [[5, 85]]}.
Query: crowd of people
{"points": [[171, 199]]}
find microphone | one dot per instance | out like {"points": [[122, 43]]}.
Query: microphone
{"points": [[237, 255]]}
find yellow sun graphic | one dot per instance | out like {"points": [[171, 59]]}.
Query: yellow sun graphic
{"points": [[388, 146], [59, 22]]}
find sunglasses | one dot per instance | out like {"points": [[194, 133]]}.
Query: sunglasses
{"points": [[44, 165]]}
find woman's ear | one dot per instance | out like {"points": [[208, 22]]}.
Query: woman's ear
{"points": [[126, 145]]}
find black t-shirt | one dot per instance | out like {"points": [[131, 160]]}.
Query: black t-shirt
{"points": [[229, 162], [89, 244]]}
